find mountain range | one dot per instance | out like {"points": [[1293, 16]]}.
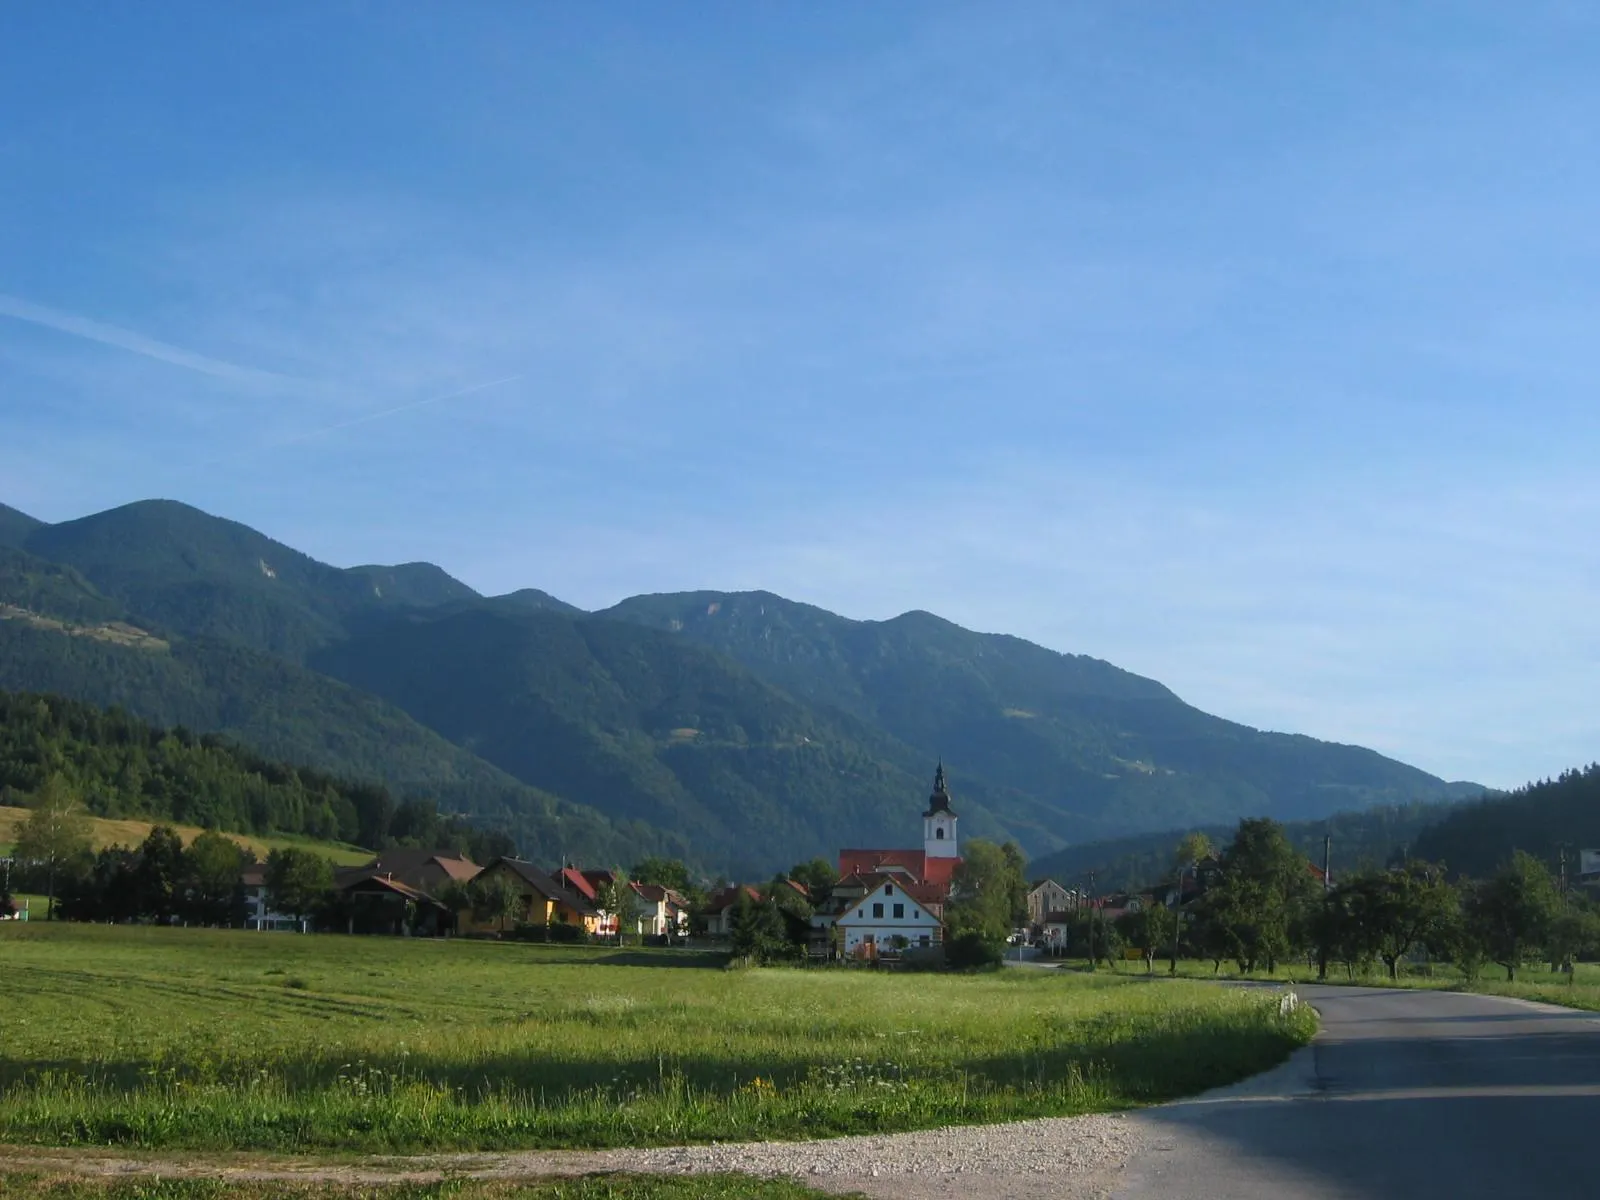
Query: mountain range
{"points": [[741, 731]]}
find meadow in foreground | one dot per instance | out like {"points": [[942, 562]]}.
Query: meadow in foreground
{"points": [[592, 1187], [203, 1039], [1534, 981]]}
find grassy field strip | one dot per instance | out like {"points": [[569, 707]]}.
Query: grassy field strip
{"points": [[1534, 982], [107, 832], [225, 1040], [605, 1187]]}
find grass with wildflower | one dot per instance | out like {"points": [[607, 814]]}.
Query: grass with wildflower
{"points": [[227, 1040]]}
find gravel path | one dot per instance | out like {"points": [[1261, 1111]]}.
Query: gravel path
{"points": [[1063, 1158], [1068, 1157]]}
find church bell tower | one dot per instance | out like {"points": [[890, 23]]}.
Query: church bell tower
{"points": [[939, 822]]}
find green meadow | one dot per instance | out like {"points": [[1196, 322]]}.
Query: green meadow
{"points": [[1534, 981], [201, 1039], [18, 1186]]}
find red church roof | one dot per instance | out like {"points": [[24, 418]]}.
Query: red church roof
{"points": [[915, 863]]}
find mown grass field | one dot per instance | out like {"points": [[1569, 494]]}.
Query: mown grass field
{"points": [[106, 831], [1534, 981], [601, 1187], [209, 1040]]}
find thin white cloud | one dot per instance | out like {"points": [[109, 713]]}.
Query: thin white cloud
{"points": [[136, 343], [366, 418]]}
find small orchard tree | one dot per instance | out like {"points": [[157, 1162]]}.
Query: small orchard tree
{"points": [[158, 877], [458, 898], [497, 899], [1149, 931], [818, 876], [759, 932], [664, 872], [55, 833], [1511, 912], [299, 882], [618, 902], [213, 891]]}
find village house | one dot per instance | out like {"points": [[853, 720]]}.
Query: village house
{"points": [[895, 914], [544, 901], [1047, 896], [661, 912], [375, 902]]}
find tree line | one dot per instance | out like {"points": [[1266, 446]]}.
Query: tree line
{"points": [[1260, 903], [119, 766]]}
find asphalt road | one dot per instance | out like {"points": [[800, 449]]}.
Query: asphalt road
{"points": [[1405, 1095]]}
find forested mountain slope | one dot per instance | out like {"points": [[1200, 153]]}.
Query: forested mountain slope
{"points": [[1071, 731], [1541, 818], [664, 732], [1362, 839], [16, 526], [287, 712], [736, 729], [190, 573]]}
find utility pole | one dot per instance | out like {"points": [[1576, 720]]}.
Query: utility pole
{"points": [[1177, 919], [1092, 907], [1327, 861]]}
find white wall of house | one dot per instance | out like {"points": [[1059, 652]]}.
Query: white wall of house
{"points": [[884, 915], [260, 917]]}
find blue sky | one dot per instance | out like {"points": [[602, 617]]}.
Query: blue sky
{"points": [[1250, 347]]}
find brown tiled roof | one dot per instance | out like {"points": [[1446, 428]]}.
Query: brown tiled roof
{"points": [[424, 868]]}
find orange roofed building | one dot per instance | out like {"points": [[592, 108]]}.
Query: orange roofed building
{"points": [[895, 898], [935, 864]]}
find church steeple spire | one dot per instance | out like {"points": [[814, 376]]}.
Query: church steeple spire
{"points": [[939, 822], [939, 801]]}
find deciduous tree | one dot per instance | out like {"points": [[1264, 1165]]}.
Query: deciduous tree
{"points": [[212, 885], [1512, 911], [55, 833], [299, 882]]}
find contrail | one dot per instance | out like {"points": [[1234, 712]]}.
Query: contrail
{"points": [[137, 343], [364, 419]]}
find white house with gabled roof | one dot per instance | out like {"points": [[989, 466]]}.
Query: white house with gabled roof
{"points": [[894, 914]]}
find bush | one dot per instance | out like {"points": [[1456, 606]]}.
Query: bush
{"points": [[970, 951], [570, 934]]}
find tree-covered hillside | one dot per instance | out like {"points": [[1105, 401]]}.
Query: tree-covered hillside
{"points": [[1541, 818], [16, 526], [287, 712], [665, 732], [1071, 731], [1369, 838], [737, 730], [123, 768], [195, 575]]}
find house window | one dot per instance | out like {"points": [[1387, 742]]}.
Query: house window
{"points": [[923, 941], [861, 912], [899, 911], [938, 834], [888, 889], [915, 915], [877, 910]]}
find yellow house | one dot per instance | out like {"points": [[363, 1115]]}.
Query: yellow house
{"points": [[543, 900]]}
